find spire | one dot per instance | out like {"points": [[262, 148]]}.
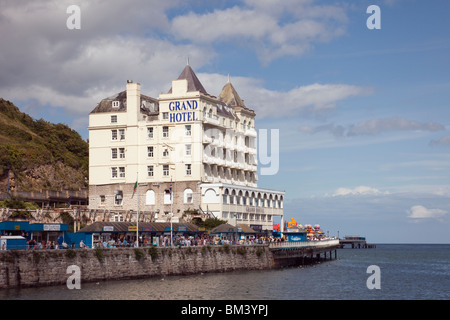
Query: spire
{"points": [[230, 96], [194, 83], [187, 62]]}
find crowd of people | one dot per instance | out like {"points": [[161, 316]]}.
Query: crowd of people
{"points": [[183, 241], [127, 241]]}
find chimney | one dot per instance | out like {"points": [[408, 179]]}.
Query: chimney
{"points": [[133, 101]]}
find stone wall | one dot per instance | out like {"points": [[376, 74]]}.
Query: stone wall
{"points": [[49, 267], [131, 203]]}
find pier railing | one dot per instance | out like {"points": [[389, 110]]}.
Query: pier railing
{"points": [[304, 244]]}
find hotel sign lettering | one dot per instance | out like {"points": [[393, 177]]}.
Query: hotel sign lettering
{"points": [[182, 111], [254, 210]]}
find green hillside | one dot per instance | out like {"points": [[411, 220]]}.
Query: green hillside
{"points": [[40, 154]]}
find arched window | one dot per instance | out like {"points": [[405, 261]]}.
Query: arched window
{"points": [[210, 196], [188, 196], [150, 197]]}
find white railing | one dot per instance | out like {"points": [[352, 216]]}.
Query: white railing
{"points": [[304, 244]]}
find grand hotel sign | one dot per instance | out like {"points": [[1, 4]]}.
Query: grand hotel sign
{"points": [[182, 111]]}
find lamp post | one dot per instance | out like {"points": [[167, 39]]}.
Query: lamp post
{"points": [[171, 209]]}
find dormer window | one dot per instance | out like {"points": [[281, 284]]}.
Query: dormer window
{"points": [[116, 104]]}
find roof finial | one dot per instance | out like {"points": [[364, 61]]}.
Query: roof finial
{"points": [[228, 78], [187, 63]]}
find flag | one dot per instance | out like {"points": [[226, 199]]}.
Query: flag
{"points": [[134, 189]]}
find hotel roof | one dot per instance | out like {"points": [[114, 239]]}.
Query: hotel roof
{"points": [[149, 105], [194, 83]]}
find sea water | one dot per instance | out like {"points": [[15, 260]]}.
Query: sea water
{"points": [[406, 272]]}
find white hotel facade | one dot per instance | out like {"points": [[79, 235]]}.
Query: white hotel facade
{"points": [[201, 147]]}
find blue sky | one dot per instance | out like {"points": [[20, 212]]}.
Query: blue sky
{"points": [[363, 114]]}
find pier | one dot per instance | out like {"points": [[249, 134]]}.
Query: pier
{"points": [[289, 254], [356, 242]]}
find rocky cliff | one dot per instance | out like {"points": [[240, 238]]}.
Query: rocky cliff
{"points": [[39, 155]]}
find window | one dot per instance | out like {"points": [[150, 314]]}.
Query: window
{"points": [[114, 119], [118, 218], [118, 197], [150, 152], [150, 171], [188, 149], [188, 170], [122, 134], [187, 130], [210, 113], [113, 134], [165, 170], [166, 153], [116, 104], [165, 132], [102, 200], [188, 198], [165, 115], [167, 197], [114, 172], [122, 172], [150, 132], [122, 153], [114, 153], [150, 197]]}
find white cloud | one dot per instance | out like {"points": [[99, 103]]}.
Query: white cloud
{"points": [[420, 212], [361, 190], [45, 64], [271, 29], [377, 126], [444, 141], [309, 99]]}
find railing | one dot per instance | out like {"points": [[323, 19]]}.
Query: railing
{"points": [[304, 244]]}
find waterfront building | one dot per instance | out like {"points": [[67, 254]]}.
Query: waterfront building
{"points": [[39, 232], [191, 154]]}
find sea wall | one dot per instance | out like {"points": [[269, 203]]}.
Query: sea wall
{"points": [[50, 267]]}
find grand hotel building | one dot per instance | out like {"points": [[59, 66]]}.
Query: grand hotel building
{"points": [[192, 154]]}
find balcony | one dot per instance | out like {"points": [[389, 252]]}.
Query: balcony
{"points": [[250, 132], [207, 139], [211, 120]]}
